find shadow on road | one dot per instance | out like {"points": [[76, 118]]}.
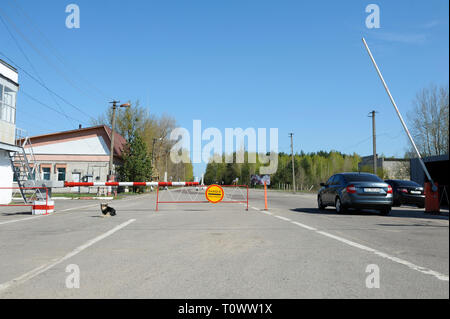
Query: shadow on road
{"points": [[16, 213], [412, 225], [330, 211], [405, 213], [417, 213]]}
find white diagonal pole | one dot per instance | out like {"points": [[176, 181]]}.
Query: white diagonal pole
{"points": [[400, 116]]}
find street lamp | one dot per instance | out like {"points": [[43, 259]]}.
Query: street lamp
{"points": [[111, 154]]}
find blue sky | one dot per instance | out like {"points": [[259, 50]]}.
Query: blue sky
{"points": [[299, 66]]}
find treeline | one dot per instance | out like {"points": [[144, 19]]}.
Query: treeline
{"points": [[147, 153], [310, 169]]}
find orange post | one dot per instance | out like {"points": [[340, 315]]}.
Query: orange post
{"points": [[265, 196], [157, 197], [431, 199]]}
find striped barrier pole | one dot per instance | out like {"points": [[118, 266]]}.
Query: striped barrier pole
{"points": [[41, 207], [160, 184]]}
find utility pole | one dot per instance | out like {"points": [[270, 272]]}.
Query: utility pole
{"points": [[293, 169], [374, 138], [153, 151], [111, 152]]}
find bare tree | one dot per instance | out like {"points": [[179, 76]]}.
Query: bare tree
{"points": [[155, 132], [429, 120]]}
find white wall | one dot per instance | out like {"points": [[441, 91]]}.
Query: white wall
{"points": [[6, 177], [85, 146], [7, 132], [8, 73]]}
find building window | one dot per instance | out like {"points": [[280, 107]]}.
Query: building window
{"points": [[7, 104], [16, 170], [46, 173], [61, 174]]}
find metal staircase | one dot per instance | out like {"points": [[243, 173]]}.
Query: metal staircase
{"points": [[24, 173]]}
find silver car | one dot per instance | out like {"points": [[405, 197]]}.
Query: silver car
{"points": [[355, 191]]}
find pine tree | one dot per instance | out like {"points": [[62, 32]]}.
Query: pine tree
{"points": [[137, 166]]}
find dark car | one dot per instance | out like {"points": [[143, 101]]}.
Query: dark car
{"points": [[356, 191], [407, 193]]}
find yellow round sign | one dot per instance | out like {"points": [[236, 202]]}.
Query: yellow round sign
{"points": [[214, 193]]}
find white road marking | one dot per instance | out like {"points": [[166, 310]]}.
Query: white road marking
{"points": [[283, 218], [304, 226], [39, 270], [56, 212], [33, 217], [384, 255], [19, 220], [410, 265]]}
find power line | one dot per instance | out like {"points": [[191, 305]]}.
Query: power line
{"points": [[42, 54], [43, 85], [29, 62], [55, 51], [47, 106]]}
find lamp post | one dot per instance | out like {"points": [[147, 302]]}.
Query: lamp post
{"points": [[111, 153]]}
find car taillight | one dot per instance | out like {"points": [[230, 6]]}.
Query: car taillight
{"points": [[389, 191], [351, 189], [403, 190]]}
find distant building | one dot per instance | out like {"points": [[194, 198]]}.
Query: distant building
{"points": [[393, 168], [75, 156], [9, 86], [437, 166]]}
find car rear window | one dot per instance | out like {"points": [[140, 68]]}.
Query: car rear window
{"points": [[362, 178], [407, 183]]}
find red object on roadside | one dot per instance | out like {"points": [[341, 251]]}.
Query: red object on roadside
{"points": [[431, 199]]}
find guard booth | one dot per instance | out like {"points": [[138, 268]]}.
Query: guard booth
{"points": [[438, 168]]}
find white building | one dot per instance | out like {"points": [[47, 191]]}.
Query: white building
{"points": [[8, 91], [77, 155]]}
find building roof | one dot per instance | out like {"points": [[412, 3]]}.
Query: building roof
{"points": [[8, 65], [9, 73], [102, 130]]}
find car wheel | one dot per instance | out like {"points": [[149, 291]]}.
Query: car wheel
{"points": [[320, 203], [385, 211], [338, 205]]}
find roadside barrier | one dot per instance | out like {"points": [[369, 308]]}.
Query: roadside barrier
{"points": [[431, 199], [38, 204], [161, 184], [213, 194]]}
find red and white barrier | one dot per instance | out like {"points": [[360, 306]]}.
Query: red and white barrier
{"points": [[232, 194], [43, 207], [95, 184], [39, 205]]}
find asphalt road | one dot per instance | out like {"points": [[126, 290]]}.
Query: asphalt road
{"points": [[222, 251]]}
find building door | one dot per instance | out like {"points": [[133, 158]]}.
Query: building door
{"points": [[75, 178]]}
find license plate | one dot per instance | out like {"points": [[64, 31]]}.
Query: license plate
{"points": [[372, 190], [415, 192]]}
